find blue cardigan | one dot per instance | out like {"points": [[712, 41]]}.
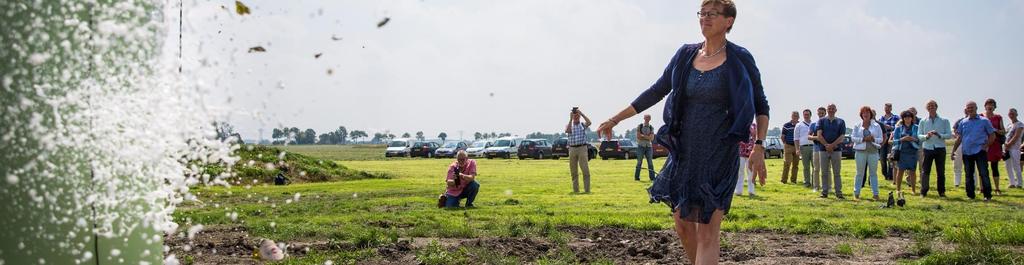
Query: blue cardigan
{"points": [[745, 92]]}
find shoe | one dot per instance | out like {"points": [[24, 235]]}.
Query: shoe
{"points": [[823, 196], [751, 195], [988, 199], [840, 196], [875, 197], [942, 195], [814, 190], [856, 197]]}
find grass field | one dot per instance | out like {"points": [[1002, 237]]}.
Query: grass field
{"points": [[533, 199]]}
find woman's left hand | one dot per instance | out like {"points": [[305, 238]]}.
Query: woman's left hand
{"points": [[756, 164]]}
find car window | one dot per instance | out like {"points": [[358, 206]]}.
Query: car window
{"points": [[502, 143], [397, 144]]}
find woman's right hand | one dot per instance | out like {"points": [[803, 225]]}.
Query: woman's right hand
{"points": [[605, 129]]}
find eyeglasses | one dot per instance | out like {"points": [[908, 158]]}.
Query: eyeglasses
{"points": [[709, 14]]}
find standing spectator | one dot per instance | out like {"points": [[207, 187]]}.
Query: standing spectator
{"points": [[800, 134], [789, 151], [831, 130], [644, 136], [715, 92], [958, 156], [816, 157], [747, 147], [933, 133], [905, 146], [867, 138], [976, 134], [888, 121], [578, 149], [995, 151], [1013, 149]]}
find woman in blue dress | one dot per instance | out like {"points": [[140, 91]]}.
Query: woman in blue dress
{"points": [[714, 92]]}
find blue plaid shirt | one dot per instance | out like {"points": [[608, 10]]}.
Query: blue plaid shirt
{"points": [[578, 135], [891, 122]]}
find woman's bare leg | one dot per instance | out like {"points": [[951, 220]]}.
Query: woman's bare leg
{"points": [[912, 180], [708, 240], [687, 232], [899, 180]]}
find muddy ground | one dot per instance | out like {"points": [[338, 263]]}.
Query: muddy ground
{"points": [[233, 245]]}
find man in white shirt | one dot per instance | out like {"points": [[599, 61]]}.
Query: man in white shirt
{"points": [[805, 146]]}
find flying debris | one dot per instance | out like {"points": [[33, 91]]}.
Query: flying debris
{"points": [[330, 71], [383, 22], [335, 38], [492, 94], [257, 49], [241, 8], [317, 56]]}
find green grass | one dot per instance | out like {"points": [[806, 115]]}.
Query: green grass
{"points": [[339, 152], [533, 198]]}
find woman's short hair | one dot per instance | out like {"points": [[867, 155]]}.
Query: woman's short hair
{"points": [[905, 114], [728, 8], [871, 113], [990, 101]]}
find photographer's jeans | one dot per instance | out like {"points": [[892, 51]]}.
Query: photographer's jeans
{"points": [[641, 153], [469, 193]]}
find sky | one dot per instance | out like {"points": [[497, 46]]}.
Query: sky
{"points": [[520, 66]]}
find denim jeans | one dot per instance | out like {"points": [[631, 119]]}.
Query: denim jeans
{"points": [[883, 158], [977, 161], [469, 193], [867, 166], [641, 153]]}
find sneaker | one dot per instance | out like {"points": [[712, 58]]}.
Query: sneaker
{"points": [[823, 196], [814, 190], [751, 195], [875, 197], [840, 196]]}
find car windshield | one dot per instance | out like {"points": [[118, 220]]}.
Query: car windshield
{"points": [[451, 145], [626, 143], [397, 144], [503, 143], [480, 144]]}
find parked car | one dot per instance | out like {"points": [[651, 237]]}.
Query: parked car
{"points": [[398, 148], [504, 147], [620, 148], [534, 148], [477, 148], [773, 147], [424, 149], [847, 147], [561, 149], [449, 149], [659, 151]]}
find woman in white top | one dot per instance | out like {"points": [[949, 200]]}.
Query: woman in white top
{"points": [[867, 139], [1013, 147]]}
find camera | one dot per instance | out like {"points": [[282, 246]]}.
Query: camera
{"points": [[575, 110]]}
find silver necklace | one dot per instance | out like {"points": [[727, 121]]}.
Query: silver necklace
{"points": [[705, 54]]}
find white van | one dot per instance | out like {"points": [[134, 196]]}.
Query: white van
{"points": [[399, 147], [504, 147]]}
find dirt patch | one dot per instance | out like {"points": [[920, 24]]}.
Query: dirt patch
{"points": [[232, 245]]}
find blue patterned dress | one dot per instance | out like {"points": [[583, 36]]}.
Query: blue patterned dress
{"points": [[701, 177]]}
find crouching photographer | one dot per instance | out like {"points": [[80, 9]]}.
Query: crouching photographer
{"points": [[461, 181]]}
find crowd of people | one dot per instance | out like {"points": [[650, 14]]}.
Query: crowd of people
{"points": [[902, 147]]}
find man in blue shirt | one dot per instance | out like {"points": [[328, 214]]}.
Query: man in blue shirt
{"points": [[831, 130], [789, 152], [888, 121], [934, 131], [816, 157], [976, 134], [578, 149]]}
